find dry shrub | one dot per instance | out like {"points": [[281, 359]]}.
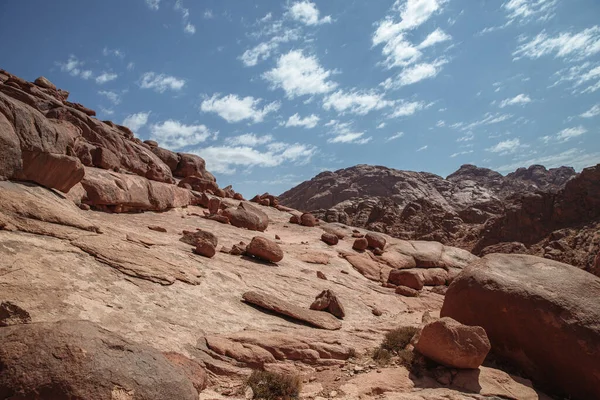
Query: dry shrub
{"points": [[273, 386], [394, 344]]}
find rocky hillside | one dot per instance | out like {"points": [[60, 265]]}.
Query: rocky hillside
{"points": [[126, 273], [473, 208]]}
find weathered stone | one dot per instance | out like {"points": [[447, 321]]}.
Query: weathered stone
{"points": [[411, 278], [360, 244], [328, 301], [375, 241], [329, 238], [192, 238], [308, 219], [406, 291], [264, 249], [205, 248]]}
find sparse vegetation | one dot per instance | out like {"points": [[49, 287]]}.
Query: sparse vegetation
{"points": [[394, 345], [273, 386]]}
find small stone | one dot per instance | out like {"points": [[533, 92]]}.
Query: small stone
{"points": [[357, 235], [358, 369], [333, 393], [406, 291], [308, 219], [225, 250], [330, 239], [344, 272], [360, 244], [377, 252], [237, 250], [328, 301], [205, 248], [84, 207], [321, 275], [312, 379], [277, 237], [249, 393], [377, 312], [157, 228]]}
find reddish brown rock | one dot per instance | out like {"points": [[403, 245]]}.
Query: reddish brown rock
{"points": [[199, 184], [328, 301], [308, 219], [45, 83], [168, 157], [79, 360], [265, 249], [295, 219], [194, 371], [238, 196], [192, 238], [205, 248], [357, 235], [157, 228], [360, 244], [190, 165], [151, 143], [406, 291], [375, 241], [321, 275], [213, 205], [237, 250], [411, 278], [55, 171], [12, 314], [318, 319], [453, 344], [556, 302], [329, 238], [105, 159], [247, 216]]}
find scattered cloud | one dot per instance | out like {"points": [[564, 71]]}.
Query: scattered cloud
{"points": [[161, 82], [225, 159], [488, 119], [153, 4], [520, 99], [381, 125], [307, 13], [113, 97], [307, 122], [506, 147], [576, 46], [136, 121], [263, 50], [249, 139], [592, 112], [175, 135], [414, 74], [461, 153], [236, 109], [435, 37], [113, 52], [131, 66], [185, 17], [524, 10], [75, 68], [106, 77], [406, 108], [343, 133], [580, 75], [565, 135], [394, 137], [299, 75], [423, 148], [355, 102], [208, 14]]}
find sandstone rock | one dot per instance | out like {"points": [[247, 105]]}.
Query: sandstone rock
{"points": [[308, 219], [295, 219], [105, 159], [199, 184], [237, 250], [157, 228], [190, 165], [265, 249], [248, 217], [79, 360], [57, 171], [213, 205], [205, 248], [453, 344], [555, 301], [191, 368], [45, 83], [192, 238], [328, 301], [411, 278], [377, 312], [329, 238], [168, 157], [406, 291], [151, 143], [334, 231], [263, 218], [12, 314], [360, 244], [370, 269], [375, 241], [321, 275], [318, 319]]}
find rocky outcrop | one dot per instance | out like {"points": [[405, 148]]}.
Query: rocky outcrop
{"points": [[318, 319], [539, 314], [453, 344], [79, 360]]}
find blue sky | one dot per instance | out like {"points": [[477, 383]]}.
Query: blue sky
{"points": [[271, 93]]}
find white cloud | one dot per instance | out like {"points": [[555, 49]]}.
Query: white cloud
{"points": [[208, 14], [266, 18], [414, 74], [131, 66], [575, 158], [175, 135], [440, 124], [506, 147], [249, 139], [350, 137], [404, 108], [185, 17], [113, 97], [106, 111], [161, 82], [394, 137], [461, 153], [136, 121], [224, 159], [307, 122], [235, 109], [381, 125], [113, 52], [423, 148], [583, 74], [307, 13], [435, 37], [592, 112], [299, 75], [523, 10], [566, 134], [75, 68], [105, 77], [189, 28], [488, 119], [519, 99], [574, 45], [356, 102], [153, 4], [263, 50]]}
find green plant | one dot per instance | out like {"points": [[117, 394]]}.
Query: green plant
{"points": [[273, 386]]}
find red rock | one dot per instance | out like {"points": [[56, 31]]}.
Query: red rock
{"points": [[265, 249], [168, 157], [191, 368], [328, 301], [219, 218], [360, 244], [238, 196], [375, 241], [55, 171], [264, 202], [105, 159], [263, 218], [81, 107], [277, 237], [157, 228], [10, 161], [295, 219], [192, 238], [246, 217], [220, 193], [453, 344], [190, 165], [329, 238], [237, 250], [540, 316], [358, 235], [45, 83], [199, 184], [308, 219], [377, 312], [151, 143], [213, 205], [205, 248], [321, 275], [406, 291], [402, 277]]}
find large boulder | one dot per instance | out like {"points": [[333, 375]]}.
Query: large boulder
{"points": [[167, 156], [265, 249], [453, 344], [79, 360], [190, 165], [247, 216], [539, 314]]}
